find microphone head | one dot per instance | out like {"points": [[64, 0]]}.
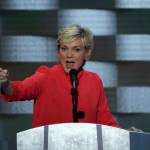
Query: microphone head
{"points": [[73, 72], [73, 77]]}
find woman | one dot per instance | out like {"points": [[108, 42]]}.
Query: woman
{"points": [[50, 87]]}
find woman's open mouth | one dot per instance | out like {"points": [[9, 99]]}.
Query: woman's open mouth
{"points": [[69, 64]]}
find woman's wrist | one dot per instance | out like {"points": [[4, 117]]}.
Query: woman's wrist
{"points": [[6, 88]]}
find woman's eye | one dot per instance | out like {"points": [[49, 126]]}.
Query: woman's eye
{"points": [[76, 49], [63, 48]]}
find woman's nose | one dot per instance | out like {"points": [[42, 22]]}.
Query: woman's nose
{"points": [[69, 54]]}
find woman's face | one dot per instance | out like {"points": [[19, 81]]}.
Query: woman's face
{"points": [[72, 55]]}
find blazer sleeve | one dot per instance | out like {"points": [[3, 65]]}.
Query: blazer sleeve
{"points": [[27, 89], [104, 115]]}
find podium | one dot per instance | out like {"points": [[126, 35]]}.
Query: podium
{"points": [[81, 136]]}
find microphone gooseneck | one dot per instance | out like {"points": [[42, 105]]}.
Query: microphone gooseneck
{"points": [[73, 77]]}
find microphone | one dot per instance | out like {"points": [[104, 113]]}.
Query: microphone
{"points": [[73, 77]]}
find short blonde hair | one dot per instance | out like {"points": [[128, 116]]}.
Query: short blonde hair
{"points": [[72, 32]]}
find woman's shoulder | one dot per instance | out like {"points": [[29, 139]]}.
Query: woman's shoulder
{"points": [[46, 69], [93, 78], [90, 73]]}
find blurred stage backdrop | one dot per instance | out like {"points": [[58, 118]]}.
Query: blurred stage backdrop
{"points": [[121, 56]]}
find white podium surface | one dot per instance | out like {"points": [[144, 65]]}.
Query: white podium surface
{"points": [[74, 136]]}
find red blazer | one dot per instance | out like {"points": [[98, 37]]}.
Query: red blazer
{"points": [[50, 88]]}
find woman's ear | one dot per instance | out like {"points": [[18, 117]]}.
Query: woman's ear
{"points": [[87, 57], [88, 54]]}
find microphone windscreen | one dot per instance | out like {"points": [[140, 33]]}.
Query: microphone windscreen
{"points": [[73, 72]]}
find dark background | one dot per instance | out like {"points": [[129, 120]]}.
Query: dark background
{"points": [[121, 55]]}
